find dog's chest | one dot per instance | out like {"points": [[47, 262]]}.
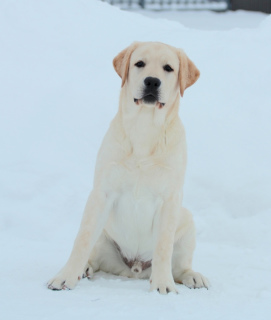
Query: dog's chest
{"points": [[138, 187]]}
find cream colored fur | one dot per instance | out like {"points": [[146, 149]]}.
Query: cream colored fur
{"points": [[136, 199]]}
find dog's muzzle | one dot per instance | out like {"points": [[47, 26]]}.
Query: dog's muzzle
{"points": [[150, 94], [151, 90]]}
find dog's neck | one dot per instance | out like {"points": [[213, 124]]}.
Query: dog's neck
{"points": [[145, 126]]}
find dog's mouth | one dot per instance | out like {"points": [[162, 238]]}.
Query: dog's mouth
{"points": [[149, 99]]}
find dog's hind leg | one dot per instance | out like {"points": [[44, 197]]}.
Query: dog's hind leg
{"points": [[184, 246], [106, 257]]}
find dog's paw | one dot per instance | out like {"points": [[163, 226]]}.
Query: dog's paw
{"points": [[163, 285], [66, 279], [194, 280], [88, 273]]}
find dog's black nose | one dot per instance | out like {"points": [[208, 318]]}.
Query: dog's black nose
{"points": [[152, 83]]}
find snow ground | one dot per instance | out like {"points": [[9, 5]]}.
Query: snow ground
{"points": [[58, 93]]}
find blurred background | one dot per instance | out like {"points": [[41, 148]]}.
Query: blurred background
{"points": [[216, 5]]}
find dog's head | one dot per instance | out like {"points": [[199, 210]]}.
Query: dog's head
{"points": [[155, 73]]}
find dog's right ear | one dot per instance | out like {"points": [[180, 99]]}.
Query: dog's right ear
{"points": [[122, 60]]}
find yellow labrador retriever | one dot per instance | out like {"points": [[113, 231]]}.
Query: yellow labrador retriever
{"points": [[134, 224]]}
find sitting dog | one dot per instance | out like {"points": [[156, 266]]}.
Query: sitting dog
{"points": [[134, 224]]}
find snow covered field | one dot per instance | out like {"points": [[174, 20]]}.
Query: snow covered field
{"points": [[58, 94]]}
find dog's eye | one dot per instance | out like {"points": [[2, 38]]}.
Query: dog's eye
{"points": [[140, 64], [168, 68]]}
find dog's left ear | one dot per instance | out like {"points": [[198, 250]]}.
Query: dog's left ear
{"points": [[188, 72], [122, 60]]}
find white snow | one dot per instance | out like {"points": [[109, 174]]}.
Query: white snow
{"points": [[209, 20], [58, 94]]}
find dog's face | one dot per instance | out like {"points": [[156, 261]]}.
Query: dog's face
{"points": [[154, 73]]}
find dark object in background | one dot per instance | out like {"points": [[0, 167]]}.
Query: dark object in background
{"points": [[252, 5], [157, 5], [215, 5]]}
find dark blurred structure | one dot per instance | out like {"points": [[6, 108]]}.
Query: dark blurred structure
{"points": [[216, 5], [252, 5]]}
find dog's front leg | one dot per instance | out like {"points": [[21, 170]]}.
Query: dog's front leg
{"points": [[94, 219], [161, 277]]}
